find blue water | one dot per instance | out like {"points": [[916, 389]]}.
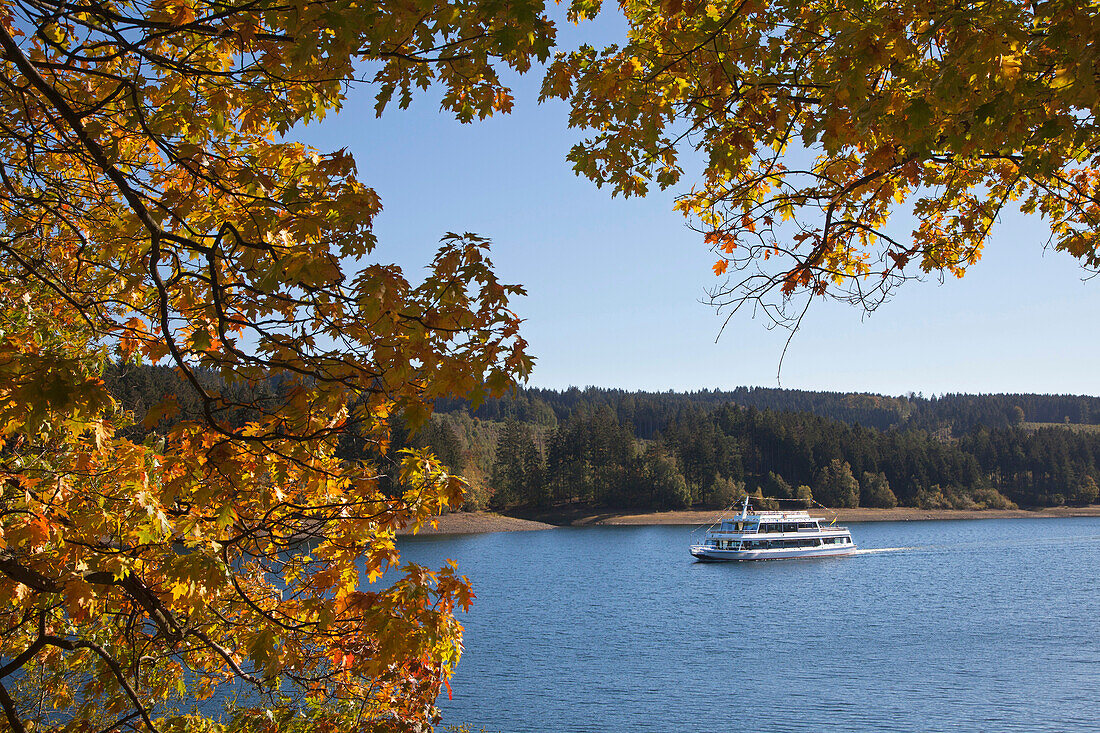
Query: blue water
{"points": [[986, 625]]}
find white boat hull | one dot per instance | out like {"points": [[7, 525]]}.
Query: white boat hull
{"points": [[706, 553]]}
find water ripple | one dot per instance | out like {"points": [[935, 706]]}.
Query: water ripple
{"points": [[955, 626]]}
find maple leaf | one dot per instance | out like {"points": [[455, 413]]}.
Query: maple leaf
{"points": [[895, 101], [168, 218]]}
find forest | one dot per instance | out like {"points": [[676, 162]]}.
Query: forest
{"points": [[616, 450]]}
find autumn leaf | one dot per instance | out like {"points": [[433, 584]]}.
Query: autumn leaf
{"points": [[831, 118], [159, 213]]}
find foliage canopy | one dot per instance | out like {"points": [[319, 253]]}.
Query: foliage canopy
{"points": [[152, 211], [818, 119]]}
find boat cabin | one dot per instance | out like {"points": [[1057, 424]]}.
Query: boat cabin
{"points": [[765, 522], [777, 534]]}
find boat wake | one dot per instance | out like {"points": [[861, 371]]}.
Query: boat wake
{"points": [[876, 550]]}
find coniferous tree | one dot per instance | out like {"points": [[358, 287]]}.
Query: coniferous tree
{"points": [[836, 486], [875, 491], [1085, 491], [658, 483], [517, 476], [775, 487]]}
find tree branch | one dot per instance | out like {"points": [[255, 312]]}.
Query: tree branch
{"points": [[10, 711], [110, 662]]}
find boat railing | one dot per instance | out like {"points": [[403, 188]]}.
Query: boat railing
{"points": [[826, 528]]}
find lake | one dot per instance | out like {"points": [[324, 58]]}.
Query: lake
{"points": [[984, 625]]}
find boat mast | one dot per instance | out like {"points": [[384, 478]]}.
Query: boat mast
{"points": [[745, 508]]}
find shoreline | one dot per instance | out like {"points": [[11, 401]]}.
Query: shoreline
{"points": [[477, 523], [485, 522], [859, 514]]}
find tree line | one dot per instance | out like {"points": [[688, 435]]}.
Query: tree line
{"points": [[705, 455], [649, 412], [547, 448]]}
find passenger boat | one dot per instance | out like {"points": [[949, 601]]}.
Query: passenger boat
{"points": [[770, 535]]}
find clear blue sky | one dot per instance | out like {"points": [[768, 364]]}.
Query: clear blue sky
{"points": [[615, 287]]}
